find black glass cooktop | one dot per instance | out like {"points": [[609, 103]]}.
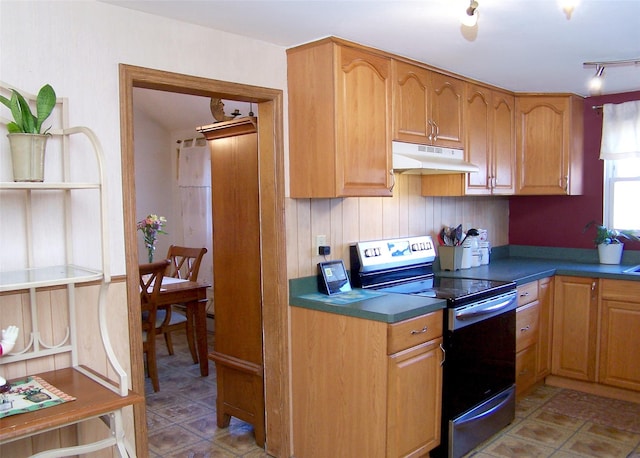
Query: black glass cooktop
{"points": [[457, 291]]}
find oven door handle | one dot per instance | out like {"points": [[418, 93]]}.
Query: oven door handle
{"points": [[464, 314]]}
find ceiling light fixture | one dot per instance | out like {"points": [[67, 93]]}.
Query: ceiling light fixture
{"points": [[470, 17], [596, 83], [568, 6]]}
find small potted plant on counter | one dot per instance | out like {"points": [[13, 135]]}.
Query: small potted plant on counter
{"points": [[608, 242], [26, 138]]}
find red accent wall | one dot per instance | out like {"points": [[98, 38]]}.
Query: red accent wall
{"points": [[557, 221]]}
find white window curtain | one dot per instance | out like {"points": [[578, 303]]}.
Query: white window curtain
{"points": [[194, 182], [620, 131]]}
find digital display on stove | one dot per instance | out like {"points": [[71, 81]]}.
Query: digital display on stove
{"points": [[399, 248]]}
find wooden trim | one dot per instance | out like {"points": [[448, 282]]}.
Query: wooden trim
{"points": [[274, 275], [593, 388]]}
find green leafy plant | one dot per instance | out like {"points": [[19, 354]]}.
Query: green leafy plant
{"points": [[24, 121], [607, 236]]}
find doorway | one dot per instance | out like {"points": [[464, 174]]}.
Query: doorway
{"points": [[272, 239]]}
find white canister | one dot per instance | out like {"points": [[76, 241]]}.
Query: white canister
{"points": [[467, 252], [485, 249], [475, 251]]}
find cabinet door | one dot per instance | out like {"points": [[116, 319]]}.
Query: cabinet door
{"points": [[503, 143], [411, 101], [478, 138], [545, 299], [415, 390], [363, 163], [619, 338], [447, 104], [575, 328], [549, 145], [525, 369]]}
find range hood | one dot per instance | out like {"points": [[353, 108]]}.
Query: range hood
{"points": [[411, 158]]}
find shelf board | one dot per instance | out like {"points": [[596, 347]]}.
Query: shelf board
{"points": [[46, 276], [24, 185], [92, 400]]}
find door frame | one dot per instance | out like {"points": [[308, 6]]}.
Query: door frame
{"points": [[272, 243]]}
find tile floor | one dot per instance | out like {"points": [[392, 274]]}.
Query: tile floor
{"points": [[181, 417], [550, 422]]}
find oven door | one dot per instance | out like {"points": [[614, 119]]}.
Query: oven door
{"points": [[480, 355]]}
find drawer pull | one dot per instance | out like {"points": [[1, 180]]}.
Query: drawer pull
{"points": [[526, 328], [421, 331], [525, 294]]}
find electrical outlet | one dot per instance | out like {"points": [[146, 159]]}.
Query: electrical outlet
{"points": [[321, 240]]}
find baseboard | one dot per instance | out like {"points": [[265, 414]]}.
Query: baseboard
{"points": [[593, 388]]}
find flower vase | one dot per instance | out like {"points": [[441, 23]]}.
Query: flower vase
{"points": [[150, 250]]}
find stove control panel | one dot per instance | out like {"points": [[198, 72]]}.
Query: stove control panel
{"points": [[378, 254]]}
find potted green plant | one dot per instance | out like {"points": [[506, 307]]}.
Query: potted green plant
{"points": [[609, 243], [26, 138]]}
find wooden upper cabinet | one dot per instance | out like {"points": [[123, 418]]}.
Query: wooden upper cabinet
{"points": [[427, 106], [489, 143], [339, 121], [549, 141], [490, 140]]}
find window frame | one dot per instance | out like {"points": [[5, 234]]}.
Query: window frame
{"points": [[608, 197]]}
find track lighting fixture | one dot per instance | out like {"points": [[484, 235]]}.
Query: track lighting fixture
{"points": [[596, 83], [470, 17]]}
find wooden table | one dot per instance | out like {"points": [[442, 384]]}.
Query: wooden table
{"points": [[194, 296]]}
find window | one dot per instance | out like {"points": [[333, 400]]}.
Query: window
{"points": [[620, 150], [622, 188]]}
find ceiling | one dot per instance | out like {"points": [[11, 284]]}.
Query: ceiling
{"points": [[520, 45]]}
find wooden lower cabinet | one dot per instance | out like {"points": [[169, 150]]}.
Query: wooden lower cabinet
{"points": [[545, 313], [620, 334], [365, 388], [533, 333], [415, 393], [575, 327]]}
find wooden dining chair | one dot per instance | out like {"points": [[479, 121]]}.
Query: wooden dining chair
{"points": [[150, 282], [184, 264]]}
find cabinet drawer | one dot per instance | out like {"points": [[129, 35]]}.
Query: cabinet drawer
{"points": [[527, 319], [414, 331], [622, 290], [526, 368], [527, 293]]}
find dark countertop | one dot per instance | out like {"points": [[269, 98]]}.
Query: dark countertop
{"points": [[521, 264], [525, 264], [370, 305]]}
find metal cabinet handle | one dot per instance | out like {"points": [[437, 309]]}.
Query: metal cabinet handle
{"points": [[444, 355], [435, 138], [525, 294], [430, 136], [526, 328], [421, 331], [393, 180]]}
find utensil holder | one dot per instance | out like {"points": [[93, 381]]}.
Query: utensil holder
{"points": [[450, 257]]}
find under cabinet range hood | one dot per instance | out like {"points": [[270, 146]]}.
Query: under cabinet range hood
{"points": [[416, 159]]}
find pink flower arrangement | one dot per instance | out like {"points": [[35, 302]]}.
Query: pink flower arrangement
{"points": [[151, 226]]}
